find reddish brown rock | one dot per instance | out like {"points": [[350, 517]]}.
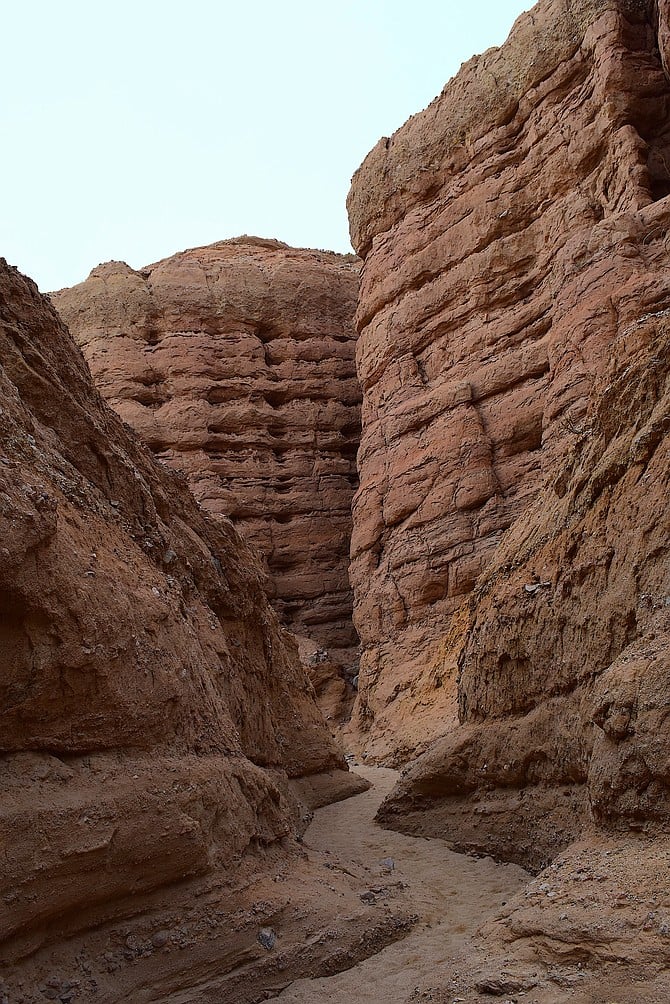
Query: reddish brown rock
{"points": [[592, 928], [512, 531], [510, 233], [564, 672], [152, 710], [235, 363]]}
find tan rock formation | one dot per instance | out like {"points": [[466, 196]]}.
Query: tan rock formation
{"points": [[590, 929], [564, 672], [511, 232], [512, 530], [235, 363], [152, 711]]}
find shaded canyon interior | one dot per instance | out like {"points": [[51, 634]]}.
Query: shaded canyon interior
{"points": [[438, 469]]}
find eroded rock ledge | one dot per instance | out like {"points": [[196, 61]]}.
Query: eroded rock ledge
{"points": [[235, 363]]}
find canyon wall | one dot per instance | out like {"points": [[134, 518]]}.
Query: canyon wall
{"points": [[235, 363], [564, 701], [564, 672], [511, 543], [157, 727], [512, 233]]}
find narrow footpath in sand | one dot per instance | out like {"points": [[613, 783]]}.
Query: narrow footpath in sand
{"points": [[452, 894]]}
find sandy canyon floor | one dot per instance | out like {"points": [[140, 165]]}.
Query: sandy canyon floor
{"points": [[442, 959], [451, 893]]}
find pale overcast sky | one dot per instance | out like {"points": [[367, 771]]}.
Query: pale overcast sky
{"points": [[135, 129]]}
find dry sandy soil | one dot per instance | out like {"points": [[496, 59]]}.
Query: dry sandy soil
{"points": [[453, 954], [451, 893]]}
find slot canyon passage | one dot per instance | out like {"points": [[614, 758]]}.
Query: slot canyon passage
{"points": [[261, 505]]}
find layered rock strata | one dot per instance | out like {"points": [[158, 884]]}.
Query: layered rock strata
{"points": [[564, 671], [511, 233], [235, 363], [515, 473], [152, 710]]}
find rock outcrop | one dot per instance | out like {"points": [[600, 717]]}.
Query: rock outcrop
{"points": [[511, 234], [235, 363], [565, 668], [157, 727], [511, 547]]}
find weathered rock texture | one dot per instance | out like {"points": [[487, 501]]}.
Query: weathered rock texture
{"points": [[592, 928], [512, 531], [152, 710], [565, 669], [235, 363], [514, 233]]}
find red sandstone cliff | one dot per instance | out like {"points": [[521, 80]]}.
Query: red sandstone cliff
{"points": [[564, 672], [235, 363], [564, 695], [511, 544], [510, 233], [152, 711]]}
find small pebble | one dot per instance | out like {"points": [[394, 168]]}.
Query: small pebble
{"points": [[267, 938], [160, 939]]}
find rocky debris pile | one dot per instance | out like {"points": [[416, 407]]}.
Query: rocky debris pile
{"points": [[235, 363]]}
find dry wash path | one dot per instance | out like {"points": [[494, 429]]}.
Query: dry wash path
{"points": [[452, 894]]}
